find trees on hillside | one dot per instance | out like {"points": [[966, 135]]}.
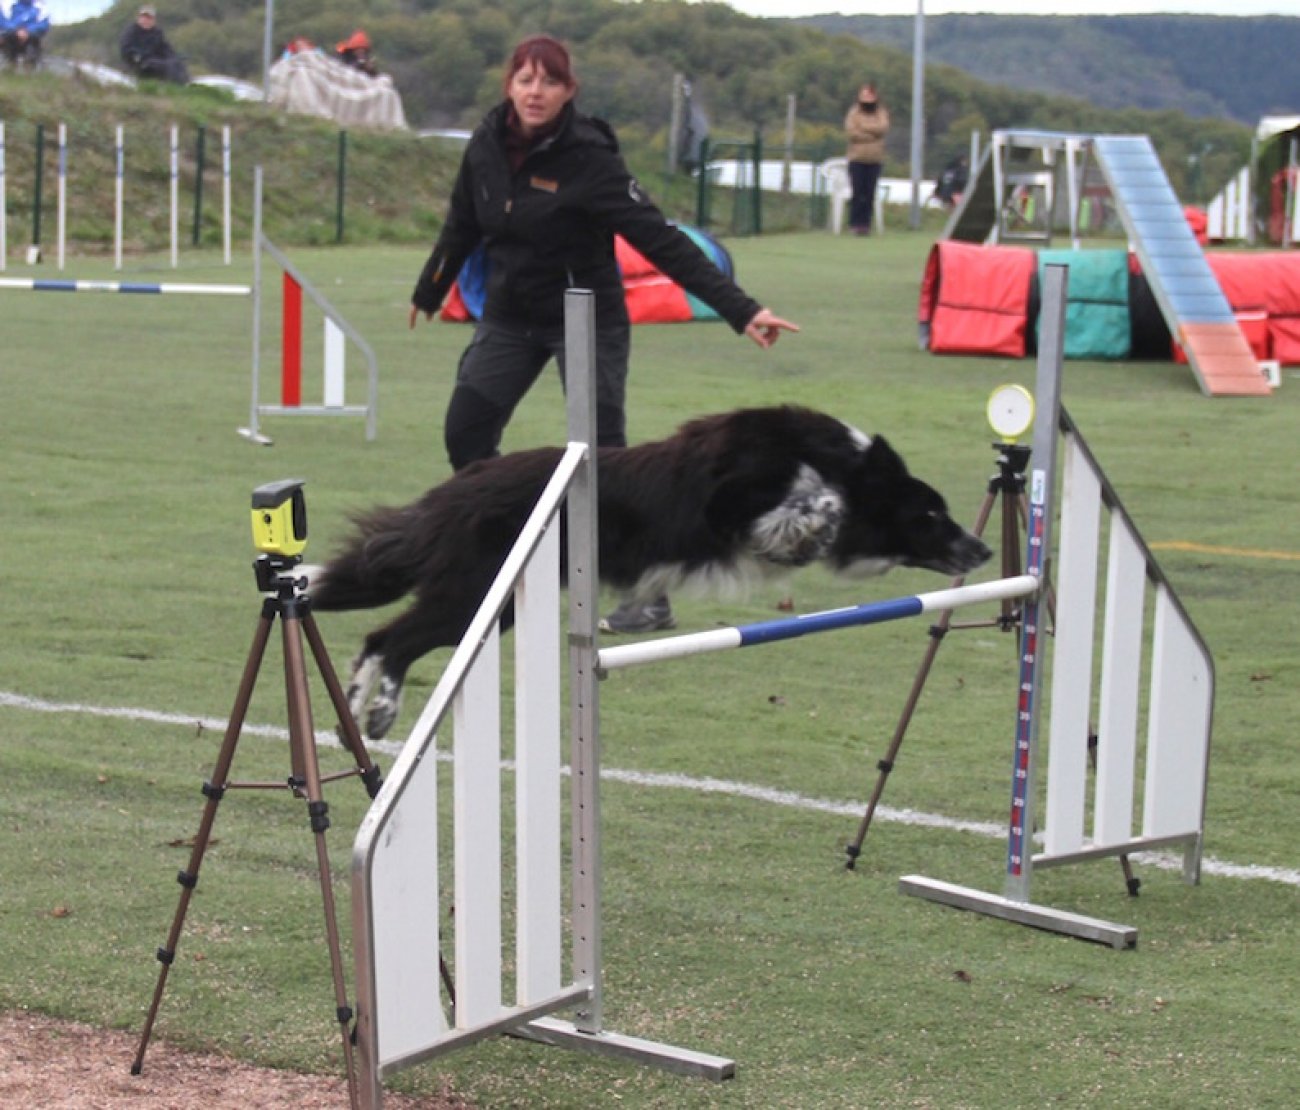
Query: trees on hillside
{"points": [[445, 57]]}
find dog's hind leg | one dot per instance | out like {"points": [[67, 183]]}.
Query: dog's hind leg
{"points": [[366, 669], [385, 705], [380, 670]]}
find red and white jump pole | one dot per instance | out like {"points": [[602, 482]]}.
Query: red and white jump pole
{"points": [[337, 332]]}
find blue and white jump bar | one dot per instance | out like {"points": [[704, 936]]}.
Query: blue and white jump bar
{"points": [[57, 285], [789, 628]]}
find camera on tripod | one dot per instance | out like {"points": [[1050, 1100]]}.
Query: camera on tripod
{"points": [[280, 519]]}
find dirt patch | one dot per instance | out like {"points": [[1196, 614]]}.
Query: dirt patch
{"points": [[61, 1065]]}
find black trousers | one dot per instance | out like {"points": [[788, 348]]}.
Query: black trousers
{"points": [[863, 177], [25, 52], [499, 367], [164, 67]]}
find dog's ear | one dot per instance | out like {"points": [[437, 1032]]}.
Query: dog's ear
{"points": [[881, 459]]}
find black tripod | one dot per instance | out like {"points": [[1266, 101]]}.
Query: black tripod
{"points": [[286, 601], [1009, 483]]}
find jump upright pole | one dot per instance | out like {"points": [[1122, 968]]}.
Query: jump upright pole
{"points": [[175, 159], [62, 212], [225, 195], [4, 245], [119, 189]]}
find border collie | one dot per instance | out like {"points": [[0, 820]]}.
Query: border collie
{"points": [[728, 498]]}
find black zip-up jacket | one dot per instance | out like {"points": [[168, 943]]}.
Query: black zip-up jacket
{"points": [[550, 226], [141, 44]]}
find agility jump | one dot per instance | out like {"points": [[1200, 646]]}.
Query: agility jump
{"points": [[407, 1014], [119, 191], [337, 331]]}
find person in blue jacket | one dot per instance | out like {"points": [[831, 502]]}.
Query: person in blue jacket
{"points": [[21, 32]]}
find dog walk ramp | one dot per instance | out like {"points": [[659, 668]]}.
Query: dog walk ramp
{"points": [[1184, 286]]}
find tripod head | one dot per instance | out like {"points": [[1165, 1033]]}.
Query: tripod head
{"points": [[279, 516], [1010, 413], [1012, 461], [273, 575]]}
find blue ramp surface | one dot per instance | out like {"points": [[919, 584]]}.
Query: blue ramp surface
{"points": [[1184, 286]]}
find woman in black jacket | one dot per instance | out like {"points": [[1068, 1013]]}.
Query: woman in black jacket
{"points": [[544, 190]]}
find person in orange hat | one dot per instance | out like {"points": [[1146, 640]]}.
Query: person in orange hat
{"points": [[354, 51]]}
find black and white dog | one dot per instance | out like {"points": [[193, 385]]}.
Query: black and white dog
{"points": [[727, 498]]}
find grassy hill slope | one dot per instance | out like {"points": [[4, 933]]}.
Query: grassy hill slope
{"points": [[395, 185]]}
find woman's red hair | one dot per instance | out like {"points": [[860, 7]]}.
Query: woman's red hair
{"points": [[550, 54]]}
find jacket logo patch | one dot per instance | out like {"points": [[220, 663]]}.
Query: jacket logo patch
{"points": [[546, 184]]}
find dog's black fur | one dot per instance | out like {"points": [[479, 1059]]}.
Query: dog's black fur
{"points": [[727, 497]]}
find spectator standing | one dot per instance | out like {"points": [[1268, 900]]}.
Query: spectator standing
{"points": [[865, 126], [146, 51], [22, 31]]}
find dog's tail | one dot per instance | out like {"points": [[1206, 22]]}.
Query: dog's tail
{"points": [[375, 566]]}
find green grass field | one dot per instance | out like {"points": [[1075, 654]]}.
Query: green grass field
{"points": [[731, 924]]}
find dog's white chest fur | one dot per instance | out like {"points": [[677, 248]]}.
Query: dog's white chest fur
{"points": [[802, 528], [798, 532]]}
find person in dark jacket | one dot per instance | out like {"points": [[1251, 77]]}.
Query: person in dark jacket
{"points": [[544, 190], [146, 51]]}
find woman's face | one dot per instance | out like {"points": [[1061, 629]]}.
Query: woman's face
{"points": [[537, 96]]}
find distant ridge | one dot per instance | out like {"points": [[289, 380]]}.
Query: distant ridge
{"points": [[1238, 68]]}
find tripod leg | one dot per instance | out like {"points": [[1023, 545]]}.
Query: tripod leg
{"points": [[302, 737], [885, 765], [348, 731], [937, 633], [1131, 882], [213, 790]]}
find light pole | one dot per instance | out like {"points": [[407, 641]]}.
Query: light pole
{"points": [[918, 112], [267, 36]]}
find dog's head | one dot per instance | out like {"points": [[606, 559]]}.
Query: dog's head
{"points": [[894, 519]]}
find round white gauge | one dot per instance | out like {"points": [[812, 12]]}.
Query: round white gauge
{"points": [[1011, 411]]}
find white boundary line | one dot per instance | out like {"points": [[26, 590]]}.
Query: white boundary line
{"points": [[750, 791]]}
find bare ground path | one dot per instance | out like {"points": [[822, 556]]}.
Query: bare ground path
{"points": [[47, 1064]]}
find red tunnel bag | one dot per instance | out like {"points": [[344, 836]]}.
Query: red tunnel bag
{"points": [[975, 299]]}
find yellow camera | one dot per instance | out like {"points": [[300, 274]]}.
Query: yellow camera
{"points": [[280, 518]]}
